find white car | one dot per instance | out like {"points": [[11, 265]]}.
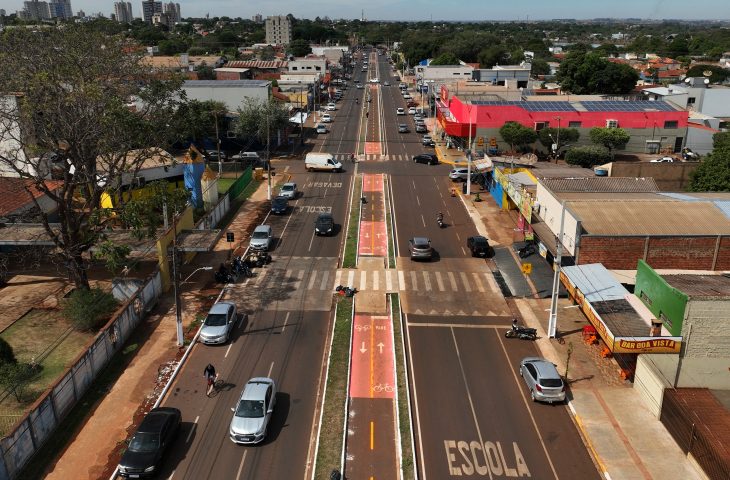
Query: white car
{"points": [[326, 118], [253, 411], [663, 160], [321, 128], [386, 84], [374, 80], [407, 95], [412, 111], [359, 86], [331, 107], [400, 111]]}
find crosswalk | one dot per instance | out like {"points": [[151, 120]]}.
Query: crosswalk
{"points": [[297, 279], [397, 157]]}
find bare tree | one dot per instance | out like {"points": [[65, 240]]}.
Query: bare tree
{"points": [[78, 106]]}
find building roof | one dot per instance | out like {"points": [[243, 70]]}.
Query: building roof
{"points": [[15, 196], [231, 70], [260, 64], [176, 61], [700, 286], [650, 217], [595, 282], [600, 184], [225, 83]]}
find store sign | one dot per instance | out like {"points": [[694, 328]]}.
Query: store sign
{"points": [[647, 345]]}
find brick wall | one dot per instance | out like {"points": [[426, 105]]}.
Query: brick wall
{"points": [[622, 253]]}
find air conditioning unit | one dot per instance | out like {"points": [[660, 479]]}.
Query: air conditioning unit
{"points": [[138, 182], [611, 123]]}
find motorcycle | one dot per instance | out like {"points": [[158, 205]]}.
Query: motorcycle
{"points": [[527, 250], [523, 333], [225, 275], [440, 221], [241, 268], [346, 291]]}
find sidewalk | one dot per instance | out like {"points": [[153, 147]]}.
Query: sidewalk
{"points": [[625, 440], [95, 449]]}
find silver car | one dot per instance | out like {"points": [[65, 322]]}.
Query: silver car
{"points": [[261, 238], [252, 414], [543, 380], [420, 248], [289, 190], [218, 324]]}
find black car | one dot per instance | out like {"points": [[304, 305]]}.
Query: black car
{"points": [[153, 436], [325, 224], [478, 245], [279, 205], [427, 158]]}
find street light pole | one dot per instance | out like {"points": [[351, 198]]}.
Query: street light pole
{"points": [[268, 160], [468, 156], [557, 142], [553, 321]]}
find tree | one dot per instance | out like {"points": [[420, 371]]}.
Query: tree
{"points": [[567, 135], [517, 134], [205, 71], [6, 352], [587, 156], [718, 75], [16, 377], [78, 121], [713, 172], [721, 140], [611, 138], [299, 48], [447, 58], [254, 116], [87, 309], [492, 56], [588, 73], [539, 67], [196, 120]]}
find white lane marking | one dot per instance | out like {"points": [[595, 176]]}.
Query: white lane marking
{"points": [[471, 402], [192, 429], [527, 407], [465, 281], [418, 201], [311, 240], [312, 278], [491, 282], [325, 193], [401, 280], [286, 320], [388, 281], [271, 368], [300, 277], [363, 280], [457, 236], [228, 350], [414, 281], [376, 280], [453, 281], [338, 278], [240, 467], [423, 220], [427, 281], [323, 285], [440, 282], [463, 251], [415, 398], [480, 287], [350, 278]]}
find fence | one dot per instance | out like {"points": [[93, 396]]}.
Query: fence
{"points": [[240, 184], [211, 219], [700, 425], [49, 411]]}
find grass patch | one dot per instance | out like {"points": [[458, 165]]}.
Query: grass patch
{"points": [[403, 412], [333, 416], [237, 202], [58, 440], [388, 229], [350, 258], [224, 184]]}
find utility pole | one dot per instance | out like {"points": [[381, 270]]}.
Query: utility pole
{"points": [[468, 155], [557, 142], [218, 144], [176, 284], [268, 160], [553, 321]]}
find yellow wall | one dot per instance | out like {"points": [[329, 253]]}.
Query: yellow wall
{"points": [[184, 222]]}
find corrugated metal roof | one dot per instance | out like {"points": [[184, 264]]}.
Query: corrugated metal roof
{"points": [[705, 286], [521, 178], [650, 217], [600, 184], [226, 83], [595, 282], [257, 64]]}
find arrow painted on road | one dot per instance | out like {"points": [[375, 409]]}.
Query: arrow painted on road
{"points": [[362, 348], [380, 346]]}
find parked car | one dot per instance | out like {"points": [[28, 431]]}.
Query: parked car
{"points": [[289, 190], [375, 80], [279, 205], [478, 246], [400, 111], [218, 324], [321, 128], [412, 111], [261, 238], [326, 118], [253, 411], [213, 156], [386, 83], [542, 379], [359, 86], [420, 248], [459, 174], [427, 141], [427, 158], [331, 107], [406, 95], [402, 85], [324, 225], [153, 437], [403, 128], [421, 128], [663, 160]]}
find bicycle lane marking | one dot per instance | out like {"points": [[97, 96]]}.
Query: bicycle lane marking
{"points": [[373, 372], [373, 233]]}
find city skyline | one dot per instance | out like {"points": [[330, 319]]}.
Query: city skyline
{"points": [[424, 10]]}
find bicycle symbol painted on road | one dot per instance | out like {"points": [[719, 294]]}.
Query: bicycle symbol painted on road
{"points": [[362, 328], [383, 387]]}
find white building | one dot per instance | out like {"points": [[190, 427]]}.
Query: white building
{"points": [[443, 73], [231, 92], [278, 30], [123, 12]]}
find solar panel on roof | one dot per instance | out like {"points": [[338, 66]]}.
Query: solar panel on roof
{"points": [[626, 106]]}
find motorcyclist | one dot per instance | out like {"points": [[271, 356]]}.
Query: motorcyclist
{"points": [[357, 101], [440, 217], [514, 324]]}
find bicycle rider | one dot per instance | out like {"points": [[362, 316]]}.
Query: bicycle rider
{"points": [[210, 375]]}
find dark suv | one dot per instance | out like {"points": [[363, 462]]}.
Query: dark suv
{"points": [[325, 224], [279, 205], [427, 158], [478, 246], [155, 435]]}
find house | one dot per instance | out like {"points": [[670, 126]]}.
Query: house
{"points": [[19, 198]]}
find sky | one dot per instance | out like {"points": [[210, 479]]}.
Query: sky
{"points": [[430, 9]]}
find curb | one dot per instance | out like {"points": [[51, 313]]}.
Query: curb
{"points": [[587, 441]]}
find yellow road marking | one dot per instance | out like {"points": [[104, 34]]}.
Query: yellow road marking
{"points": [[372, 357], [372, 436]]}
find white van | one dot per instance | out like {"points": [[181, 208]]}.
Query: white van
{"points": [[322, 161]]}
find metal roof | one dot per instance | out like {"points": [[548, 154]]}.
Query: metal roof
{"points": [[650, 217], [601, 184], [700, 286], [226, 83], [595, 282]]}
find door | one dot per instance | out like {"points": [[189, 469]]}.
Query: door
{"points": [[678, 144]]}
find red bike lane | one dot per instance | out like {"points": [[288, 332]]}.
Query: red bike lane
{"points": [[373, 233]]}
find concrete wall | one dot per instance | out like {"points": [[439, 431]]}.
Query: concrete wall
{"points": [[699, 139], [308, 65], [706, 329], [550, 210], [671, 252], [443, 72], [669, 177], [232, 96], [715, 102], [650, 382], [9, 134]]}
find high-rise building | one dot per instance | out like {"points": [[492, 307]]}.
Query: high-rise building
{"points": [[172, 10], [258, 18], [35, 10], [278, 30], [149, 8], [60, 9], [123, 12]]}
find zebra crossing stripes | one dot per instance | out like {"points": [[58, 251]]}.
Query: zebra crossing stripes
{"points": [[396, 157]]}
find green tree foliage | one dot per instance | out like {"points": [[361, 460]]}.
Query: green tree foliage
{"points": [[17, 377], [253, 117], [173, 46], [492, 56], [721, 140], [517, 134], [299, 48], [445, 59], [611, 138], [205, 72], [588, 73], [713, 172], [567, 135], [539, 67], [6, 352], [83, 117], [89, 309], [587, 156], [719, 74], [196, 119]]}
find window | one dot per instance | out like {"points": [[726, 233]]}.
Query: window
{"points": [[691, 101], [671, 124], [666, 321], [540, 125], [574, 124]]}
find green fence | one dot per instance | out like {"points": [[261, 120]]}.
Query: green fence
{"points": [[240, 184]]}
